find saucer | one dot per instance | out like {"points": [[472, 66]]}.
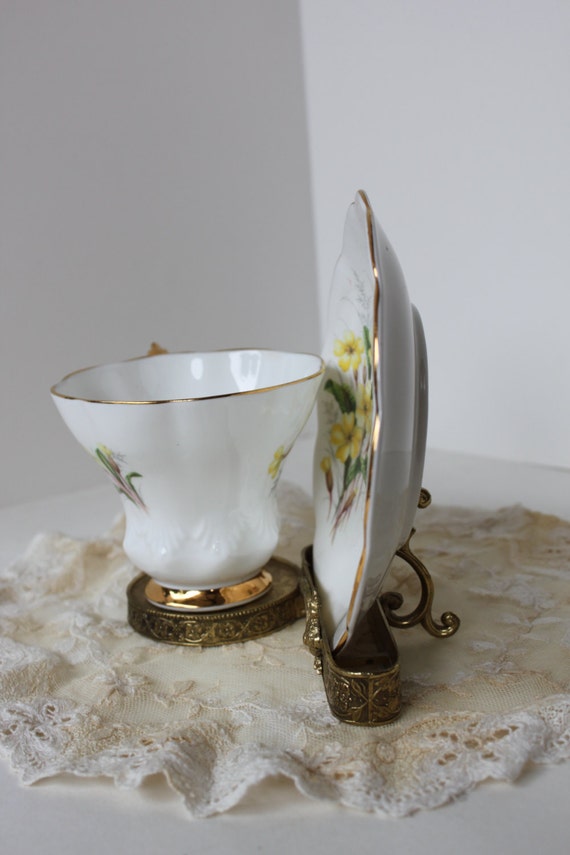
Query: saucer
{"points": [[420, 423], [372, 418]]}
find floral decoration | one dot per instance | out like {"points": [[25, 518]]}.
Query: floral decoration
{"points": [[123, 483], [345, 467], [348, 351], [275, 467]]}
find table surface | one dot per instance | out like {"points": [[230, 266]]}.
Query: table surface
{"points": [[71, 815]]}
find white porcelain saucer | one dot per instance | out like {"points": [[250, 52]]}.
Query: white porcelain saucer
{"points": [[372, 416]]}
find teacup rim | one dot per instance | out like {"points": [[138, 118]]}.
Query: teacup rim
{"points": [[54, 391]]}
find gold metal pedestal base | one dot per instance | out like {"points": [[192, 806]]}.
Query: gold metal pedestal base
{"points": [[280, 606]]}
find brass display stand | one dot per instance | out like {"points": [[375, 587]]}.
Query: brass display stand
{"points": [[364, 688], [365, 692], [280, 606]]}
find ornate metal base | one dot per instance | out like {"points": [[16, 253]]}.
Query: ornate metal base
{"points": [[365, 691], [280, 606], [362, 684]]}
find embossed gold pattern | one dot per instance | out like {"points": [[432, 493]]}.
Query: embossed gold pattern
{"points": [[365, 699], [368, 695], [281, 605]]}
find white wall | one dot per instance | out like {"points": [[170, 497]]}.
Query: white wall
{"points": [[154, 184], [455, 117]]}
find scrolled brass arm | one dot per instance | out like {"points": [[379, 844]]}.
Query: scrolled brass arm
{"points": [[391, 600]]}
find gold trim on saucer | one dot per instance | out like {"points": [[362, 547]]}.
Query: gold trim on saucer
{"points": [[196, 600], [281, 605]]}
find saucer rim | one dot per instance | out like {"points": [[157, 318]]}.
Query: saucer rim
{"points": [[365, 569]]}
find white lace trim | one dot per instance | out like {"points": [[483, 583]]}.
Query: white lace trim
{"points": [[80, 692]]}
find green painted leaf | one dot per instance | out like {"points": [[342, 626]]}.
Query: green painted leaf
{"points": [[367, 347], [108, 464], [354, 470], [343, 395], [345, 473]]}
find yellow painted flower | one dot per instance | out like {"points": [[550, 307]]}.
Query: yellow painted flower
{"points": [[326, 468], [364, 404], [348, 351], [275, 464], [346, 435]]}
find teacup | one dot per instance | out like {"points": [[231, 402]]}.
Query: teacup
{"points": [[194, 443]]}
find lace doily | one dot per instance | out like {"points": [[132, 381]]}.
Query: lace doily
{"points": [[80, 692]]}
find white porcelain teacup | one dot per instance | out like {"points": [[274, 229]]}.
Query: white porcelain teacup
{"points": [[194, 443]]}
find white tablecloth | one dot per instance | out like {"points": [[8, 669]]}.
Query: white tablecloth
{"points": [[71, 815]]}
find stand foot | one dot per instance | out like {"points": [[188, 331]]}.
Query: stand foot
{"points": [[362, 691]]}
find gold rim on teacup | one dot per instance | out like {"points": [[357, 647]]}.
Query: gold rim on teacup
{"points": [[169, 354]]}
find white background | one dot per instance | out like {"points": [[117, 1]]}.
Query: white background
{"points": [[455, 118], [180, 171], [154, 185]]}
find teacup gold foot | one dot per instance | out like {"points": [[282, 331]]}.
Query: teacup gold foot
{"points": [[175, 620], [210, 599]]}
